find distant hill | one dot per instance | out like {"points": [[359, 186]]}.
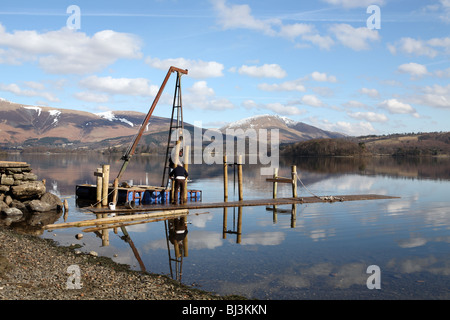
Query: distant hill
{"points": [[412, 144], [289, 131], [399, 145], [24, 126]]}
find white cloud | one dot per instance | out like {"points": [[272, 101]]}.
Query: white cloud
{"points": [[445, 10], [355, 104], [125, 86], [322, 77], [373, 93], [323, 42], [430, 48], [414, 69], [354, 38], [312, 100], [434, 96], [198, 69], [355, 3], [294, 85], [239, 16], [397, 107], [91, 97], [201, 88], [18, 91], [66, 51], [443, 73], [201, 97], [264, 71], [292, 31], [349, 128], [369, 116], [278, 108]]}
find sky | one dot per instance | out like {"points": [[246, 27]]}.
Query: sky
{"points": [[358, 67]]}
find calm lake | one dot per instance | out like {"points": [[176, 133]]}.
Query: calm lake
{"points": [[313, 251]]}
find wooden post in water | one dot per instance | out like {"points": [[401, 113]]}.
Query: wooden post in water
{"points": [[225, 179], [275, 184], [294, 181], [116, 190], [241, 191], [99, 175], [186, 167], [105, 184]]}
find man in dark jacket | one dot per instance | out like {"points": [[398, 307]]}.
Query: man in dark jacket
{"points": [[179, 176]]}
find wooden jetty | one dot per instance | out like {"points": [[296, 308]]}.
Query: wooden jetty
{"points": [[242, 203]]}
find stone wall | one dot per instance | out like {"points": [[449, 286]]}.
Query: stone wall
{"points": [[22, 192]]}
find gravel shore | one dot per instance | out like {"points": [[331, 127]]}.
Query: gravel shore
{"points": [[32, 268]]}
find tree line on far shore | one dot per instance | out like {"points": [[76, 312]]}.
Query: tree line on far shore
{"points": [[401, 145], [413, 144]]}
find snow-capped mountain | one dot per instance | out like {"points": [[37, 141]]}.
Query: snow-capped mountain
{"points": [[289, 130], [21, 124]]}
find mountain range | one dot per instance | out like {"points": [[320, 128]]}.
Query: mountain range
{"points": [[22, 126]]}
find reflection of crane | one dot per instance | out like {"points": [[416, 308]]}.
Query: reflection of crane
{"points": [[176, 105], [176, 233]]}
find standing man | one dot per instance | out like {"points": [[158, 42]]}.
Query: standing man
{"points": [[179, 175]]}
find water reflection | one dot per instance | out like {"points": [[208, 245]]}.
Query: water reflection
{"points": [[318, 251]]}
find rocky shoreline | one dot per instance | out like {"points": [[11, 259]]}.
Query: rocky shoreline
{"points": [[32, 268]]}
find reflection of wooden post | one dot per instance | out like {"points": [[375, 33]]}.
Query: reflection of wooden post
{"points": [[275, 184], [105, 233], [294, 181], [225, 217], [239, 228], [99, 186], [105, 184], [225, 179], [185, 240], [176, 246], [241, 194], [293, 215]]}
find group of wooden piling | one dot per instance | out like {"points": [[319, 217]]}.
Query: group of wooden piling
{"points": [[276, 179], [102, 175]]}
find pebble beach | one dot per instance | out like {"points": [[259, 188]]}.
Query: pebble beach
{"points": [[32, 268]]}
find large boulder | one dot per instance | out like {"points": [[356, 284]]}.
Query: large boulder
{"points": [[48, 202], [28, 191], [39, 206], [53, 200], [12, 211]]}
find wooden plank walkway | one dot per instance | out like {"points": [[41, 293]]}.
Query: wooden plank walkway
{"points": [[243, 203]]}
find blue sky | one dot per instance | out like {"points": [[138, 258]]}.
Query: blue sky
{"points": [[313, 61]]}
